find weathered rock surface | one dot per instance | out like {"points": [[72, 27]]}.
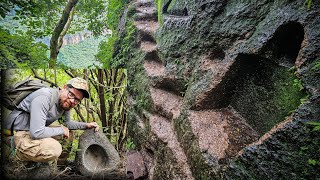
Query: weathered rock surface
{"points": [[136, 165], [97, 157], [216, 89]]}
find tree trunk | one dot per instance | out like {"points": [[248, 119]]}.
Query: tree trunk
{"points": [[101, 97], [86, 101], [54, 42]]}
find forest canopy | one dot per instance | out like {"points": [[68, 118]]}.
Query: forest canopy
{"points": [[30, 21]]}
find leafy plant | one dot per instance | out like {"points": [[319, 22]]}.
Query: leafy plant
{"points": [[129, 145], [159, 7], [298, 83], [107, 47], [316, 126], [317, 65], [312, 162], [21, 51]]}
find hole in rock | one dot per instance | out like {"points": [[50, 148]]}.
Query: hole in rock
{"points": [[95, 158], [264, 93], [217, 54], [185, 12], [175, 86], [285, 44]]}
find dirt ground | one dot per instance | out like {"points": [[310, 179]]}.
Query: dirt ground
{"points": [[13, 168]]}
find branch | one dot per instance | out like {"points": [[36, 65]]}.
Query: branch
{"points": [[93, 81], [43, 79], [79, 113], [54, 50], [69, 73], [96, 84], [65, 29]]}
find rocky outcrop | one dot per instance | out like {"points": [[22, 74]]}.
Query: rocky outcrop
{"points": [[225, 89]]}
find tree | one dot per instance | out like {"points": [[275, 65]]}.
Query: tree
{"points": [[101, 97], [20, 51], [60, 31], [55, 18]]}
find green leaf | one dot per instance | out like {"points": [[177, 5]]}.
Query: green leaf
{"points": [[304, 148], [317, 128], [314, 123], [312, 162]]}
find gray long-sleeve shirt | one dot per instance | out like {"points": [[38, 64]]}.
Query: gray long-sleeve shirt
{"points": [[39, 115]]}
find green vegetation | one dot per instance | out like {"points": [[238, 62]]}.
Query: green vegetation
{"points": [[108, 53], [106, 49], [316, 67], [125, 46], [313, 146], [309, 3], [316, 126], [54, 19], [130, 144], [159, 7], [81, 55], [21, 51]]}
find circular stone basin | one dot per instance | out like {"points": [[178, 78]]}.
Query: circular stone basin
{"points": [[96, 158]]}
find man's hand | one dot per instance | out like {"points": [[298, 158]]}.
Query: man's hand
{"points": [[65, 132], [93, 125]]}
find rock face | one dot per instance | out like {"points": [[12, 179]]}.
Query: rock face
{"points": [[135, 165], [225, 89]]}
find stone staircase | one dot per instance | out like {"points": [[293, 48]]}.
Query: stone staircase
{"points": [[221, 133], [166, 104]]}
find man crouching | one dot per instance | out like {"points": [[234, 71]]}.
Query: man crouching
{"points": [[30, 121]]}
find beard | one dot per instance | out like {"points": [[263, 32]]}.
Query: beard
{"points": [[61, 104]]}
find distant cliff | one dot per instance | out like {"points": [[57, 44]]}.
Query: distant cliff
{"points": [[73, 38]]}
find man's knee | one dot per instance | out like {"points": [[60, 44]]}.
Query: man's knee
{"points": [[40, 150], [50, 148]]}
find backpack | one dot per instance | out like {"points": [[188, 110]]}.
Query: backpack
{"points": [[12, 96]]}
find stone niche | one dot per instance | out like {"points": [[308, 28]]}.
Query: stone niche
{"points": [[264, 92], [262, 87], [267, 90]]}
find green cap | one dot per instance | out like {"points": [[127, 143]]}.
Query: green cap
{"points": [[80, 84]]}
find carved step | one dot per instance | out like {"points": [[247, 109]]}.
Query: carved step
{"points": [[147, 27], [222, 133], [154, 68], [146, 13], [169, 82], [145, 17], [148, 46], [146, 3], [163, 129], [172, 80], [166, 103], [147, 10]]}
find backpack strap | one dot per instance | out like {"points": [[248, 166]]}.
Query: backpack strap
{"points": [[54, 97]]}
